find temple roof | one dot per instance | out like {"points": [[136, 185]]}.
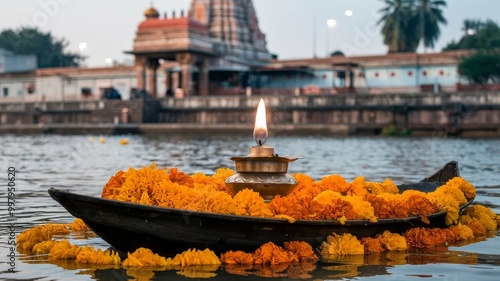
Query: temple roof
{"points": [[151, 12]]}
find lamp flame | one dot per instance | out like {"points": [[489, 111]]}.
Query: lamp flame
{"points": [[260, 130]]}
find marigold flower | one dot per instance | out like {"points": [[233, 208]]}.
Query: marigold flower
{"points": [[334, 183], [270, 254], [180, 177], [466, 187], [305, 186], [249, 203], [113, 185], [196, 257], [462, 231], [302, 250], [372, 245], [236, 257], [429, 238], [341, 245], [63, 250], [27, 239], [484, 215], [78, 225], [145, 257], [89, 255], [285, 206], [358, 187], [393, 241]]}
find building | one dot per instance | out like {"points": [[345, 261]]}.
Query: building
{"points": [[217, 48]]}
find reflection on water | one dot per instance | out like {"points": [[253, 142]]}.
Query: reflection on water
{"points": [[76, 164]]}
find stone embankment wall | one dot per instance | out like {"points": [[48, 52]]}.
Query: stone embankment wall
{"points": [[464, 114]]}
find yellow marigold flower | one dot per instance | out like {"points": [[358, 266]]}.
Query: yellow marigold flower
{"points": [[484, 215], [466, 187], [328, 196], [217, 202], [249, 203], [27, 239], [387, 186], [445, 203], [145, 257], [89, 255], [63, 250], [196, 257], [363, 209], [393, 241], [43, 247], [453, 191], [341, 245], [335, 183], [112, 187], [78, 225], [462, 231], [285, 217]]}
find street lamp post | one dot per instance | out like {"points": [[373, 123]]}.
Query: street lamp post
{"points": [[331, 24]]}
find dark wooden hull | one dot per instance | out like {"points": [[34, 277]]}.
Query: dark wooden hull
{"points": [[128, 226]]}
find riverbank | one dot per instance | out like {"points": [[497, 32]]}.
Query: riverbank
{"points": [[210, 129], [474, 114]]}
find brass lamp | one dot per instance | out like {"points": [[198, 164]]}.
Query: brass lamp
{"points": [[262, 170]]}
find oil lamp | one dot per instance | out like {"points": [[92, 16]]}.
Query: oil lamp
{"points": [[262, 170]]}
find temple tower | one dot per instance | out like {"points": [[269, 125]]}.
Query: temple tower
{"points": [[234, 24]]}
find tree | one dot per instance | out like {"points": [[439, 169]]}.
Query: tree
{"points": [[428, 16], [396, 27], [49, 50], [481, 67], [478, 36], [406, 23]]}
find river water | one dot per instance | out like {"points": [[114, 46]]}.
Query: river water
{"points": [[77, 164]]}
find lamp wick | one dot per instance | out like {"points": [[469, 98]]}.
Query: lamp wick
{"points": [[260, 142]]}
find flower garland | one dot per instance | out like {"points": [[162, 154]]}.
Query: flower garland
{"points": [[331, 198]]}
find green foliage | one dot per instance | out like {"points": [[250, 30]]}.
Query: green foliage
{"points": [[393, 131], [477, 35], [481, 67], [49, 50], [408, 22]]}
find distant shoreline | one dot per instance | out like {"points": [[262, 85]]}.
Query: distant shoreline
{"points": [[237, 129]]}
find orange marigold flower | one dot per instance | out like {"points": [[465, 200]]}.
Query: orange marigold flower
{"points": [[308, 208], [180, 177], [236, 257], [421, 206], [363, 209], [285, 206], [429, 238], [447, 204], [217, 202], [302, 250], [358, 187], [113, 185], [219, 179], [305, 187], [334, 183], [380, 206], [27, 239], [270, 254], [387, 186], [372, 245]]}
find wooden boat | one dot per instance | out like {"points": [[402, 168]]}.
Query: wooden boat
{"points": [[128, 226]]}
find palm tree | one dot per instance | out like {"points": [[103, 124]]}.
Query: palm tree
{"points": [[428, 15], [395, 19]]}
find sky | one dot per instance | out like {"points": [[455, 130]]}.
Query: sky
{"points": [[103, 30]]}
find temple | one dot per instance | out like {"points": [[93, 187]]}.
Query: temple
{"points": [[218, 48], [217, 42]]}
